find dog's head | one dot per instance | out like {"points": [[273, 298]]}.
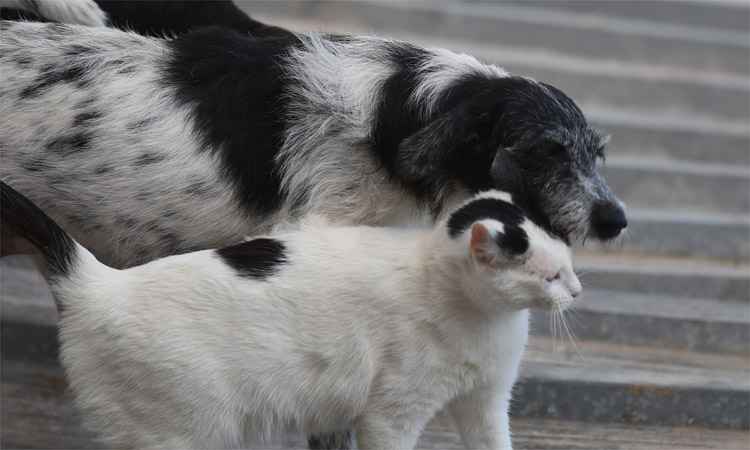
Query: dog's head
{"points": [[524, 137]]}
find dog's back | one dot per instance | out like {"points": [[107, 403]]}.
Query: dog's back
{"points": [[86, 124]]}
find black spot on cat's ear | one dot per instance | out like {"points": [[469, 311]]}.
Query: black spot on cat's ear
{"points": [[513, 240], [259, 258], [504, 212]]}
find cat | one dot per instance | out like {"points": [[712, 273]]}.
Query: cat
{"points": [[317, 328]]}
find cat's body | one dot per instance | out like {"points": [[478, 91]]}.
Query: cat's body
{"points": [[214, 348]]}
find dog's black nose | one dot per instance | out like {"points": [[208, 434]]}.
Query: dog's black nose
{"points": [[608, 220]]}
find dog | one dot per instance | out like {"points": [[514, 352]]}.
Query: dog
{"points": [[174, 145]]}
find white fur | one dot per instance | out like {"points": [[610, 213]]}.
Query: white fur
{"points": [[375, 328], [80, 12]]}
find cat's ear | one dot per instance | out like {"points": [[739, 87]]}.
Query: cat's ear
{"points": [[482, 246]]}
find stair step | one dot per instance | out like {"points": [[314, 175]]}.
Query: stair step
{"points": [[602, 382], [39, 413], [676, 277], [686, 234], [628, 318], [656, 183], [694, 48], [707, 14], [658, 89], [631, 139]]}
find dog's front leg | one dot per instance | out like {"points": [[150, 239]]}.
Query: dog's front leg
{"points": [[482, 418]]}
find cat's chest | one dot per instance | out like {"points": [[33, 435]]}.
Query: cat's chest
{"points": [[485, 354]]}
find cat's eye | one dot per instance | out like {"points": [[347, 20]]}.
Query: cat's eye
{"points": [[553, 278]]}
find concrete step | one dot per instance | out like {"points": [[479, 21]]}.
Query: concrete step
{"points": [[728, 15], [38, 413], [602, 382], [658, 88], [694, 48], [675, 277], [658, 183], [680, 233], [706, 325], [650, 140]]}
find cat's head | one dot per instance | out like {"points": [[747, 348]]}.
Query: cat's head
{"points": [[509, 262]]}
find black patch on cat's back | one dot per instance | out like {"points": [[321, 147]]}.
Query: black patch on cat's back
{"points": [[258, 259], [514, 238], [235, 86]]}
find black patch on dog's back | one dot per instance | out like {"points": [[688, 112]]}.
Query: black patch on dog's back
{"points": [[514, 238], [85, 119], [235, 87], [259, 258], [70, 144], [157, 18], [395, 119], [53, 74], [148, 158]]}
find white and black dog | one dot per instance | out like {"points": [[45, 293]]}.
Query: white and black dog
{"points": [[199, 140], [193, 142]]}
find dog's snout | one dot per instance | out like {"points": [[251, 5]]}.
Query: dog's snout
{"points": [[608, 219]]}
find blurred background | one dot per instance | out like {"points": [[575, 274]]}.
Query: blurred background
{"points": [[661, 354]]}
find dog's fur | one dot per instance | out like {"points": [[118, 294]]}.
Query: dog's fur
{"points": [[171, 145], [209, 349]]}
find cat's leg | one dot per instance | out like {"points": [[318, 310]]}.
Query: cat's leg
{"points": [[482, 418], [376, 432]]}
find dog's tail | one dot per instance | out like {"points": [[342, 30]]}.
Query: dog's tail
{"points": [[64, 258]]}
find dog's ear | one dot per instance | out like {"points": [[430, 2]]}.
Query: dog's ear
{"points": [[505, 172], [442, 148]]}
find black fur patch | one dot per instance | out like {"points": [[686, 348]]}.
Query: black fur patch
{"points": [[35, 165], [235, 87], [514, 238], [84, 119], [78, 50], [259, 258], [51, 75], [330, 441], [395, 120], [73, 143], [148, 158], [173, 17], [20, 214]]}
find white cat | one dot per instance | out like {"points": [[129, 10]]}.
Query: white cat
{"points": [[216, 348]]}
